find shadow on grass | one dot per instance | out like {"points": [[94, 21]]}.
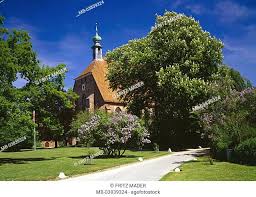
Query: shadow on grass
{"points": [[23, 150], [22, 160], [199, 153], [178, 162], [105, 157]]}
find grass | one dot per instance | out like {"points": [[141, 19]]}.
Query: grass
{"points": [[202, 170], [46, 164]]}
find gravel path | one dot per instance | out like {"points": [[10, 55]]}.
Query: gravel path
{"points": [[148, 170]]}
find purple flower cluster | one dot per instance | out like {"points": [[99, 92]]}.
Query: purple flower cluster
{"points": [[118, 132], [91, 124], [124, 126], [121, 128], [242, 93], [112, 137], [247, 91]]}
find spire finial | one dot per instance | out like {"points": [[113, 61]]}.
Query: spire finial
{"points": [[96, 28]]}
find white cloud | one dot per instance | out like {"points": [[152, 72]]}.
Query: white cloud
{"points": [[229, 11], [226, 11], [196, 9], [239, 52], [68, 50], [16, 23], [65, 50], [71, 49], [177, 3], [244, 45]]}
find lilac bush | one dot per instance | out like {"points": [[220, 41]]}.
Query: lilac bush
{"points": [[114, 133], [230, 122]]}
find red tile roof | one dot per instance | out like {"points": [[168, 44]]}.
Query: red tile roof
{"points": [[98, 68]]}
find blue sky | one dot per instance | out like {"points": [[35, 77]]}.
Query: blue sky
{"points": [[58, 36]]}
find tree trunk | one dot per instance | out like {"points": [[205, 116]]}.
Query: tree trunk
{"points": [[56, 143]]}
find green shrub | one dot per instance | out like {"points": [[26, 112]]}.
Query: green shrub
{"points": [[220, 142], [229, 124], [229, 135], [77, 122], [246, 151]]}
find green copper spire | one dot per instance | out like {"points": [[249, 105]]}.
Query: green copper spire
{"points": [[97, 49], [96, 38]]}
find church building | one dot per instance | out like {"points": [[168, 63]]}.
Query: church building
{"points": [[92, 85]]}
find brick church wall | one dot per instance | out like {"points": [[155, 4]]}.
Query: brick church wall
{"points": [[90, 92]]}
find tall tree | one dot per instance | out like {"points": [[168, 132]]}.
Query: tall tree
{"points": [[178, 63], [48, 98]]}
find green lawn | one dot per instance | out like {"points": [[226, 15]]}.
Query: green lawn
{"points": [[46, 164], [201, 170]]}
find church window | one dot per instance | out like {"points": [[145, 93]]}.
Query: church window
{"points": [[83, 87], [87, 103], [118, 110]]}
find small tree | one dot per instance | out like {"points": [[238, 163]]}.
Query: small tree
{"points": [[114, 133]]}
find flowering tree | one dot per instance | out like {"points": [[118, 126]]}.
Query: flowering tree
{"points": [[231, 121], [114, 133], [177, 61]]}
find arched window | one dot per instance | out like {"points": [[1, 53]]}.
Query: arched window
{"points": [[85, 103], [47, 144], [118, 110]]}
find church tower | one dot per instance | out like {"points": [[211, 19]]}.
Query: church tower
{"points": [[92, 85], [97, 48]]}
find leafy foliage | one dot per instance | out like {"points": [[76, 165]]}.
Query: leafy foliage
{"points": [[178, 63], [246, 151], [230, 122], [50, 101], [240, 83], [78, 120]]}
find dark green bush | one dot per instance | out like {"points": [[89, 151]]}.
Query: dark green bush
{"points": [[229, 135], [246, 151], [221, 141]]}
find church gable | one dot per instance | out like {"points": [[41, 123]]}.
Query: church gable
{"points": [[98, 69], [89, 94]]}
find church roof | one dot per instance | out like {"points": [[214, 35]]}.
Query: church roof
{"points": [[98, 69]]}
